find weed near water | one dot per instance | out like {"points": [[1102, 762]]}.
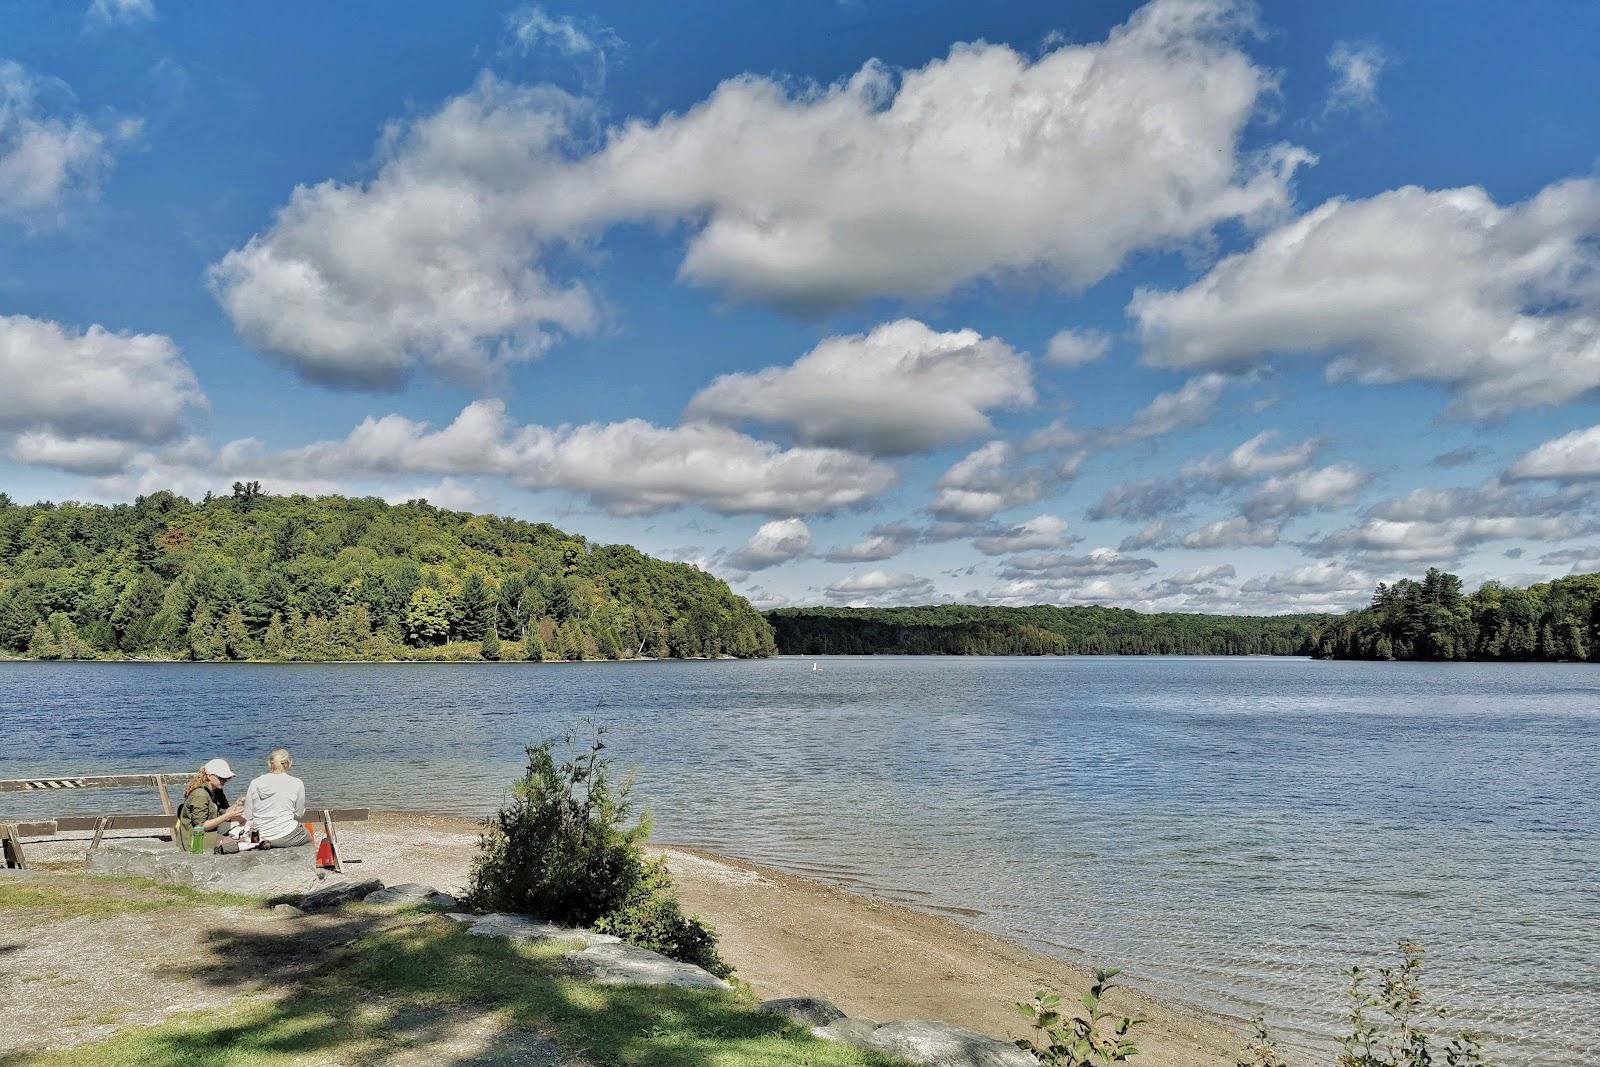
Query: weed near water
{"points": [[60, 898]]}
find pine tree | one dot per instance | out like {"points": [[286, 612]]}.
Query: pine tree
{"points": [[43, 643], [203, 644], [478, 608], [274, 642], [235, 635], [491, 645], [532, 647]]}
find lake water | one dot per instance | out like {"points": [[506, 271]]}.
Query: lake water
{"points": [[1232, 832]]}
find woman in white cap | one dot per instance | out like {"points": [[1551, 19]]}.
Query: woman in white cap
{"points": [[205, 806]]}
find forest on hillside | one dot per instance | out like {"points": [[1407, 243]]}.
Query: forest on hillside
{"points": [[257, 576], [968, 630], [1433, 619]]}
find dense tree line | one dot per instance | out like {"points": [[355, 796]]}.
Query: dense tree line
{"points": [[1433, 620], [965, 630], [257, 576]]}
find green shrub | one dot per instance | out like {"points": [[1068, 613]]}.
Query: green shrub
{"points": [[561, 849], [1079, 1041]]}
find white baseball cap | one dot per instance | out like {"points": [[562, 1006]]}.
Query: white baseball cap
{"points": [[218, 767]]}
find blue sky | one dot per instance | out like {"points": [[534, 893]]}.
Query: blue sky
{"points": [[1182, 306]]}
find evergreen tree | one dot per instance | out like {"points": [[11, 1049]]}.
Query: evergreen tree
{"points": [[532, 647], [274, 641], [203, 643], [235, 635], [478, 609], [491, 645]]}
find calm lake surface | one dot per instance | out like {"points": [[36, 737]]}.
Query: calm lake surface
{"points": [[1233, 832]]}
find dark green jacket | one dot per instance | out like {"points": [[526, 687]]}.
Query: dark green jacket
{"points": [[201, 805]]}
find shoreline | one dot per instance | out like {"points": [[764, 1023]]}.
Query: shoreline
{"points": [[790, 934]]}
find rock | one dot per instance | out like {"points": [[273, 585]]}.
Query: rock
{"points": [[928, 1044], [333, 894], [807, 1011], [619, 964], [288, 911], [270, 873], [413, 894], [523, 928], [855, 1032], [463, 918]]}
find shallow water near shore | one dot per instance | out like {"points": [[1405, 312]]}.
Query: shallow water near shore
{"points": [[1233, 832]]}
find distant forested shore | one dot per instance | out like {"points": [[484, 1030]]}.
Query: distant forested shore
{"points": [[1430, 619], [969, 630], [253, 576]]}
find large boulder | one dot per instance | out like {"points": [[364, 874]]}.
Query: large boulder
{"points": [[628, 965], [928, 1044], [807, 1011], [274, 872], [523, 928], [413, 894]]}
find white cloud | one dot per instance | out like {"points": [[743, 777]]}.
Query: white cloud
{"points": [[1496, 303], [120, 12], [986, 481], [1098, 563], [1307, 490], [1038, 533], [872, 549], [631, 467], [1569, 458], [880, 587], [448, 493], [50, 154], [1356, 70], [1189, 405], [1443, 541], [84, 400], [1252, 459], [1073, 348], [984, 164], [775, 542], [435, 260], [899, 389], [1157, 533], [1237, 532]]}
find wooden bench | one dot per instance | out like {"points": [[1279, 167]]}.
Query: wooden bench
{"points": [[12, 833]]}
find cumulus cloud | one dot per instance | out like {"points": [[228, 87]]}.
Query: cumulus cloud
{"points": [[85, 400], [1356, 70], [1253, 459], [1073, 348], [872, 549], [51, 155], [1495, 303], [1391, 541], [1157, 533], [899, 389], [1190, 405], [1098, 563], [1584, 559], [1151, 498], [629, 468], [880, 587], [1237, 532], [433, 261], [985, 163], [1038, 533], [775, 542], [1571, 457], [1307, 490], [989, 480]]}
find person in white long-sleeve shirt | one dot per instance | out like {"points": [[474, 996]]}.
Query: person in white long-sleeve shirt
{"points": [[275, 804]]}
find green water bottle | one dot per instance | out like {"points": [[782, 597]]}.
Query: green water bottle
{"points": [[197, 839]]}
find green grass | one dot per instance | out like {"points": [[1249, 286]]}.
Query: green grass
{"points": [[102, 898], [401, 979]]}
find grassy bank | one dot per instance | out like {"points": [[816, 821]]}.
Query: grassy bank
{"points": [[380, 985]]}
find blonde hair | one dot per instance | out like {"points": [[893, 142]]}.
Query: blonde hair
{"points": [[198, 780], [279, 760]]}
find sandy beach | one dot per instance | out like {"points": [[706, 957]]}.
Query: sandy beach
{"points": [[788, 936]]}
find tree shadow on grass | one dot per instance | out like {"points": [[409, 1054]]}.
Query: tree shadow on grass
{"points": [[372, 987]]}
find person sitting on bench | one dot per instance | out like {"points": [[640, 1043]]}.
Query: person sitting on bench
{"points": [[205, 807], [275, 804]]}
